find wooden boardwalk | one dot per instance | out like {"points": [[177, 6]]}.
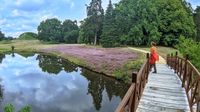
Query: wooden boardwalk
{"points": [[163, 92]]}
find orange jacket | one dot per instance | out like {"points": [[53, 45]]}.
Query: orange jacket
{"points": [[153, 56]]}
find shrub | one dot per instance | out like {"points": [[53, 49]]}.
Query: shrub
{"points": [[10, 108]]}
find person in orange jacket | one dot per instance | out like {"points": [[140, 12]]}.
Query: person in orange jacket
{"points": [[153, 56]]}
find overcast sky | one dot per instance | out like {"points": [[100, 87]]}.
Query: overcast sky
{"points": [[18, 16]]}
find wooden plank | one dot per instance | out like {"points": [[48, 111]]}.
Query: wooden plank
{"points": [[148, 104], [155, 108], [163, 93]]}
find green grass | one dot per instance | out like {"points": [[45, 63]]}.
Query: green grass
{"points": [[123, 73], [162, 51], [129, 67]]}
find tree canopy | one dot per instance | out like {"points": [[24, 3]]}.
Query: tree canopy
{"points": [[28, 36], [91, 27], [197, 22], [56, 31], [50, 30], [138, 22], [2, 36]]}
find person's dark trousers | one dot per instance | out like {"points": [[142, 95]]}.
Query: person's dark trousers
{"points": [[154, 66]]}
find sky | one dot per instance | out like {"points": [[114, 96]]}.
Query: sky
{"points": [[18, 16]]}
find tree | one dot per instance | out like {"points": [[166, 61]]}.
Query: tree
{"points": [[174, 21], [28, 36], [109, 38], [197, 22], [69, 25], [2, 36], [137, 22], [71, 37], [50, 30], [70, 31], [141, 21], [191, 48], [93, 22]]}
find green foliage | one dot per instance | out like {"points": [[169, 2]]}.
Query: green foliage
{"points": [[190, 47], [28, 36], [50, 30], [109, 37], [125, 72], [70, 31], [91, 27], [197, 22], [138, 22], [26, 109], [2, 36], [71, 37], [174, 21], [121, 75], [10, 108]]}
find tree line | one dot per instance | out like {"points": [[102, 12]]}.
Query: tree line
{"points": [[3, 37], [129, 22], [138, 22]]}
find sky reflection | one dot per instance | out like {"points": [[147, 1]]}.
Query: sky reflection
{"points": [[50, 84]]}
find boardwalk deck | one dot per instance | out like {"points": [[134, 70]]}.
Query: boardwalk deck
{"points": [[163, 93]]}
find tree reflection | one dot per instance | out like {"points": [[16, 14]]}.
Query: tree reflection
{"points": [[2, 56], [98, 83], [26, 54], [54, 65], [1, 93]]}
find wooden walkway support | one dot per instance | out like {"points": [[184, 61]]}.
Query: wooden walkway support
{"points": [[175, 88], [163, 93]]}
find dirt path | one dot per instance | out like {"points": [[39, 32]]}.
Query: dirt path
{"points": [[161, 59]]}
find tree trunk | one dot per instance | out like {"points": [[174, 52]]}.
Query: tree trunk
{"points": [[95, 39]]}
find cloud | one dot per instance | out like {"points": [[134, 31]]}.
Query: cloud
{"points": [[16, 14], [2, 21], [194, 3]]}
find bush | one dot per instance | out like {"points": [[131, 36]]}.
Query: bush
{"points": [[28, 36], [10, 108], [190, 47]]}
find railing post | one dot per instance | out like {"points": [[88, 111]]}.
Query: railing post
{"points": [[148, 67], [168, 59], [134, 77], [171, 62], [147, 56], [175, 65], [133, 104], [185, 70], [198, 106]]}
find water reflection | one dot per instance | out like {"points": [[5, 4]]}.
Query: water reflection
{"points": [[28, 80], [99, 83], [2, 56], [54, 65], [1, 92]]}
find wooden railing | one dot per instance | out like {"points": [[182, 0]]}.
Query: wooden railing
{"points": [[131, 100], [190, 78]]}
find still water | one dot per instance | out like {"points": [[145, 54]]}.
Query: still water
{"points": [[52, 84]]}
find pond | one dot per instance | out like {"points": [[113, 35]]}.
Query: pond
{"points": [[52, 84]]}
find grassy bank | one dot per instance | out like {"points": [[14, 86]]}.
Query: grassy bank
{"points": [[162, 51], [114, 62]]}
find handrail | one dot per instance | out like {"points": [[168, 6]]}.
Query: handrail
{"points": [[190, 78], [131, 100]]}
